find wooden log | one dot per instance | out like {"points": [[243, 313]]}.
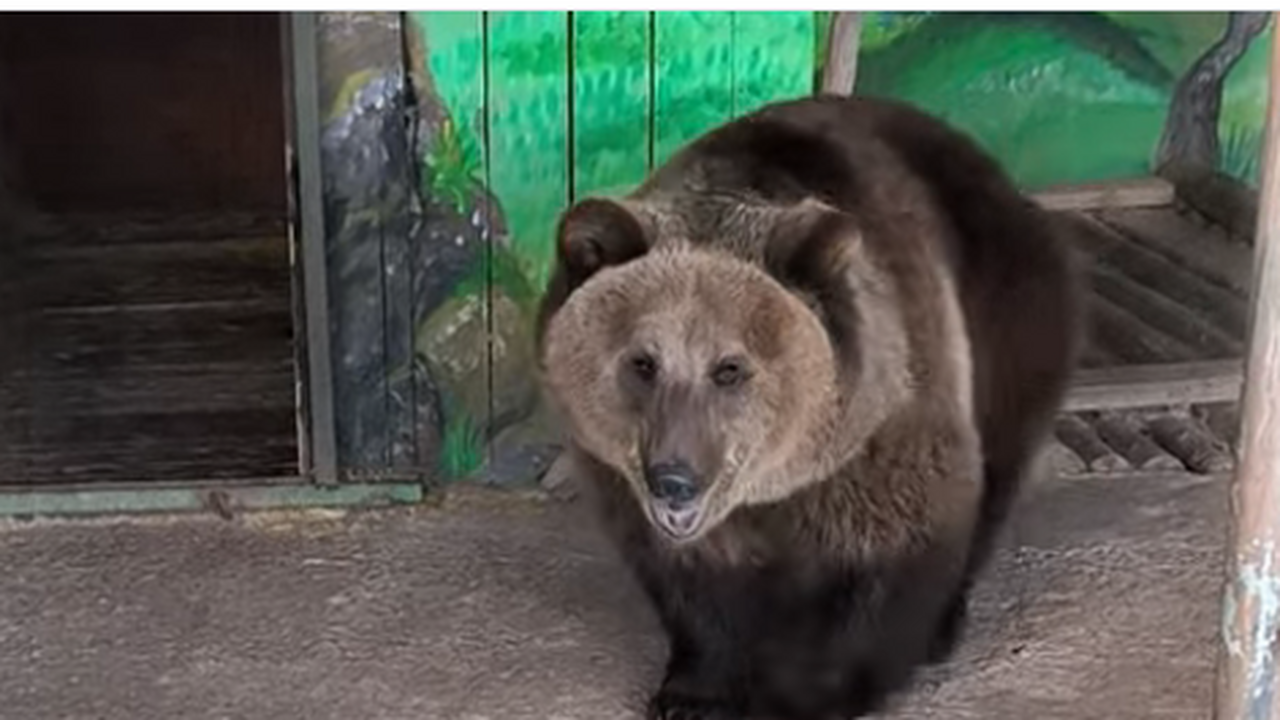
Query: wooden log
{"points": [[1225, 309], [1127, 336], [1191, 443], [1155, 385], [1078, 436], [1138, 192], [1164, 314], [840, 72], [1206, 251], [1061, 461], [1121, 432], [1218, 196], [1248, 684], [1222, 419]]}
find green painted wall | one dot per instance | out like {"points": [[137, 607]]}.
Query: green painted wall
{"points": [[536, 109], [1062, 97]]}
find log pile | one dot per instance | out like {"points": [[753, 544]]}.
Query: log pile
{"points": [[1197, 439]]}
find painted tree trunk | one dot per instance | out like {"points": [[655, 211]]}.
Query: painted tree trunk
{"points": [[1191, 130]]}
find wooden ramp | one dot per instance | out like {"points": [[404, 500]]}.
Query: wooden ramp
{"points": [[1168, 311]]}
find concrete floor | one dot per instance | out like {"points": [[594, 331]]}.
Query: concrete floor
{"points": [[1104, 605]]}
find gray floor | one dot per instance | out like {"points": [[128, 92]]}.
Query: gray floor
{"points": [[1104, 605]]}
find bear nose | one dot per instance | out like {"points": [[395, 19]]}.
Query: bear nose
{"points": [[672, 482]]}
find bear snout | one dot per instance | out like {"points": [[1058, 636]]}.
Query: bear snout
{"points": [[672, 483]]}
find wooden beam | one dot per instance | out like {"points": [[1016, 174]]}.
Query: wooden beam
{"points": [[1163, 314], [318, 421], [1130, 386], [1247, 678], [1205, 250], [1225, 309], [840, 72], [1125, 334], [1138, 192]]}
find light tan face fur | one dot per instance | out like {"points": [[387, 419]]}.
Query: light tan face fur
{"points": [[695, 356]]}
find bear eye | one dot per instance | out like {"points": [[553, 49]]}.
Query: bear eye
{"points": [[645, 367], [729, 373]]}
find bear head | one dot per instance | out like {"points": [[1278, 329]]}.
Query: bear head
{"points": [[706, 379]]}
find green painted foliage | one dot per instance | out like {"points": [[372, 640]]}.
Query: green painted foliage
{"points": [[694, 78], [772, 56], [453, 168], [462, 452], [611, 110], [528, 127], [1240, 148]]}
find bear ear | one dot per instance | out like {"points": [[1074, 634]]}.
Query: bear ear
{"points": [[811, 249], [594, 234]]}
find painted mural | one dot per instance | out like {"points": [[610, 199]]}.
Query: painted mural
{"points": [[1074, 97], [517, 114]]}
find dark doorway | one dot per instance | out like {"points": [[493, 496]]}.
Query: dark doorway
{"points": [[144, 265]]}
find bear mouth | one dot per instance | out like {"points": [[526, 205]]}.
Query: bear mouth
{"points": [[679, 522]]}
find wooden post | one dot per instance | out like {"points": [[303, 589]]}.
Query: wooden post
{"points": [[840, 72], [1247, 678]]}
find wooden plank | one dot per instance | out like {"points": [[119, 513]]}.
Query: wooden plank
{"points": [[1247, 674], [454, 46], [693, 81], [159, 273], [1206, 251], [772, 57], [528, 128], [611, 103], [1225, 309], [1128, 337], [161, 447], [1155, 385], [106, 228], [840, 71], [212, 388], [366, 199], [145, 324], [317, 420], [92, 344], [1164, 314], [1138, 192]]}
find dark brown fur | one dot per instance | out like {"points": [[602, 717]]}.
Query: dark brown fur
{"points": [[841, 240]]}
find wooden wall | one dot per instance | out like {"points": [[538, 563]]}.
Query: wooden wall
{"points": [[110, 111]]}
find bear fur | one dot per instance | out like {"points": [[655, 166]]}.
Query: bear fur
{"points": [[849, 332]]}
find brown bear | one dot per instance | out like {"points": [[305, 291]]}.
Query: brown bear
{"points": [[805, 366]]}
